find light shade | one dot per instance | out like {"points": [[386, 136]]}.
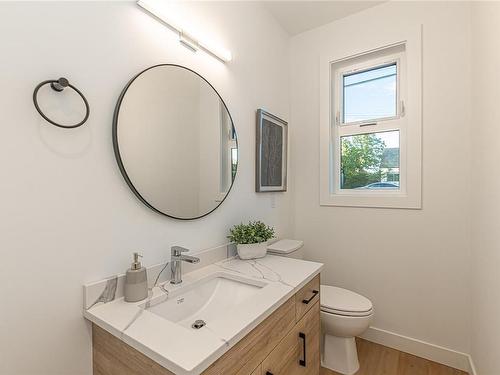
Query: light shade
{"points": [[185, 36]]}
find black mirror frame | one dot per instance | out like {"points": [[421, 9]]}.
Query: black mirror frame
{"points": [[116, 146]]}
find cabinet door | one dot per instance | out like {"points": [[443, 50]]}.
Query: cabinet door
{"points": [[309, 335], [284, 359], [251, 350], [298, 352], [307, 297]]}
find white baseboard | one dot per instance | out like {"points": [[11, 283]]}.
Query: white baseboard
{"points": [[472, 368], [436, 353]]}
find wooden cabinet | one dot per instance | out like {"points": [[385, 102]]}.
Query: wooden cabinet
{"points": [[285, 343], [250, 351], [310, 327], [111, 356], [298, 352], [306, 297]]}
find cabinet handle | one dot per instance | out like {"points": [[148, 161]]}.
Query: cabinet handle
{"points": [[306, 301], [269, 373], [302, 362]]}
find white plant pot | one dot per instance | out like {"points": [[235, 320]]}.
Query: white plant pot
{"points": [[252, 251]]}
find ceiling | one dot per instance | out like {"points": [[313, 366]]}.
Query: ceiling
{"points": [[299, 16]]}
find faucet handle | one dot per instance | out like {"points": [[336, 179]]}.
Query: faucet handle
{"points": [[177, 250]]}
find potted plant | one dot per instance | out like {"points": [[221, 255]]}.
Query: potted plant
{"points": [[251, 239]]}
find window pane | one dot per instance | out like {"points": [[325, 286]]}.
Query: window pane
{"points": [[370, 161], [370, 94], [234, 162]]}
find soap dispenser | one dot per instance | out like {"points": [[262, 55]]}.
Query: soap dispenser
{"points": [[136, 281]]}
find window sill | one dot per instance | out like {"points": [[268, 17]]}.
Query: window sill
{"points": [[384, 200]]}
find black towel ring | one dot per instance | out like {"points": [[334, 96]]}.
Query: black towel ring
{"points": [[59, 85]]}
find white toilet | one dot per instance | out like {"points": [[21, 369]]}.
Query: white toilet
{"points": [[344, 315]]}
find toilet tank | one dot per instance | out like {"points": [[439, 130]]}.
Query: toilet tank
{"points": [[287, 248]]}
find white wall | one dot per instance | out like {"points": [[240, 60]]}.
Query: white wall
{"points": [[66, 215], [486, 194], [413, 264]]}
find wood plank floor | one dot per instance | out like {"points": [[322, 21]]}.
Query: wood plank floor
{"points": [[375, 359]]}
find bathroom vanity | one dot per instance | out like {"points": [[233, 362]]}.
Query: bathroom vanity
{"points": [[230, 316], [259, 317]]}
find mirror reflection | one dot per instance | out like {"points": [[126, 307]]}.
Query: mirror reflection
{"points": [[175, 142]]}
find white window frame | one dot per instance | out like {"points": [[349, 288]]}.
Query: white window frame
{"points": [[408, 121], [377, 125], [371, 64]]}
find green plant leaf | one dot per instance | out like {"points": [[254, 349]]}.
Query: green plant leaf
{"points": [[253, 232]]}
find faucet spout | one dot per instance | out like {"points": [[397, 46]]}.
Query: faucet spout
{"points": [[189, 259], [176, 263]]}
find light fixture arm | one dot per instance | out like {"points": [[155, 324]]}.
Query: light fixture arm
{"points": [[185, 38]]}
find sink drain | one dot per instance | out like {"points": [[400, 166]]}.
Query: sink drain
{"points": [[198, 324]]}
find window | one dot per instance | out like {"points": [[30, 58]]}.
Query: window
{"points": [[370, 94], [370, 161], [370, 146], [369, 122]]}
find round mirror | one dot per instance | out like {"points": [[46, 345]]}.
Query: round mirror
{"points": [[175, 142]]}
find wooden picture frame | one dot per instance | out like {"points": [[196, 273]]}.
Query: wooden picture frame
{"points": [[271, 153]]}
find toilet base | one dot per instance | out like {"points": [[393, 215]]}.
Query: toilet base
{"points": [[340, 355]]}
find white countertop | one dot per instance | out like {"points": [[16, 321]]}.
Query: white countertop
{"points": [[186, 351]]}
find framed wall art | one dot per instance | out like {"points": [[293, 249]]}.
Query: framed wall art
{"points": [[271, 153]]}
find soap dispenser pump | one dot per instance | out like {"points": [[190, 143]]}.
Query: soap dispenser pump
{"points": [[136, 281]]}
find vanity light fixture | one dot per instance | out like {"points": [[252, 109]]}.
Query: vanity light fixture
{"points": [[185, 37]]}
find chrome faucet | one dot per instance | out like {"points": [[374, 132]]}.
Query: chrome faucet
{"points": [[176, 263]]}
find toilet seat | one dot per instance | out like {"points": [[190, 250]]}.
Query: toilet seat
{"points": [[339, 301], [346, 313]]}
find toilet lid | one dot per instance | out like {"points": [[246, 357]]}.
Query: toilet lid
{"points": [[284, 246], [343, 301]]}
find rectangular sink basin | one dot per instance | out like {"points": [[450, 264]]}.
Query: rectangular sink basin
{"points": [[208, 299]]}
